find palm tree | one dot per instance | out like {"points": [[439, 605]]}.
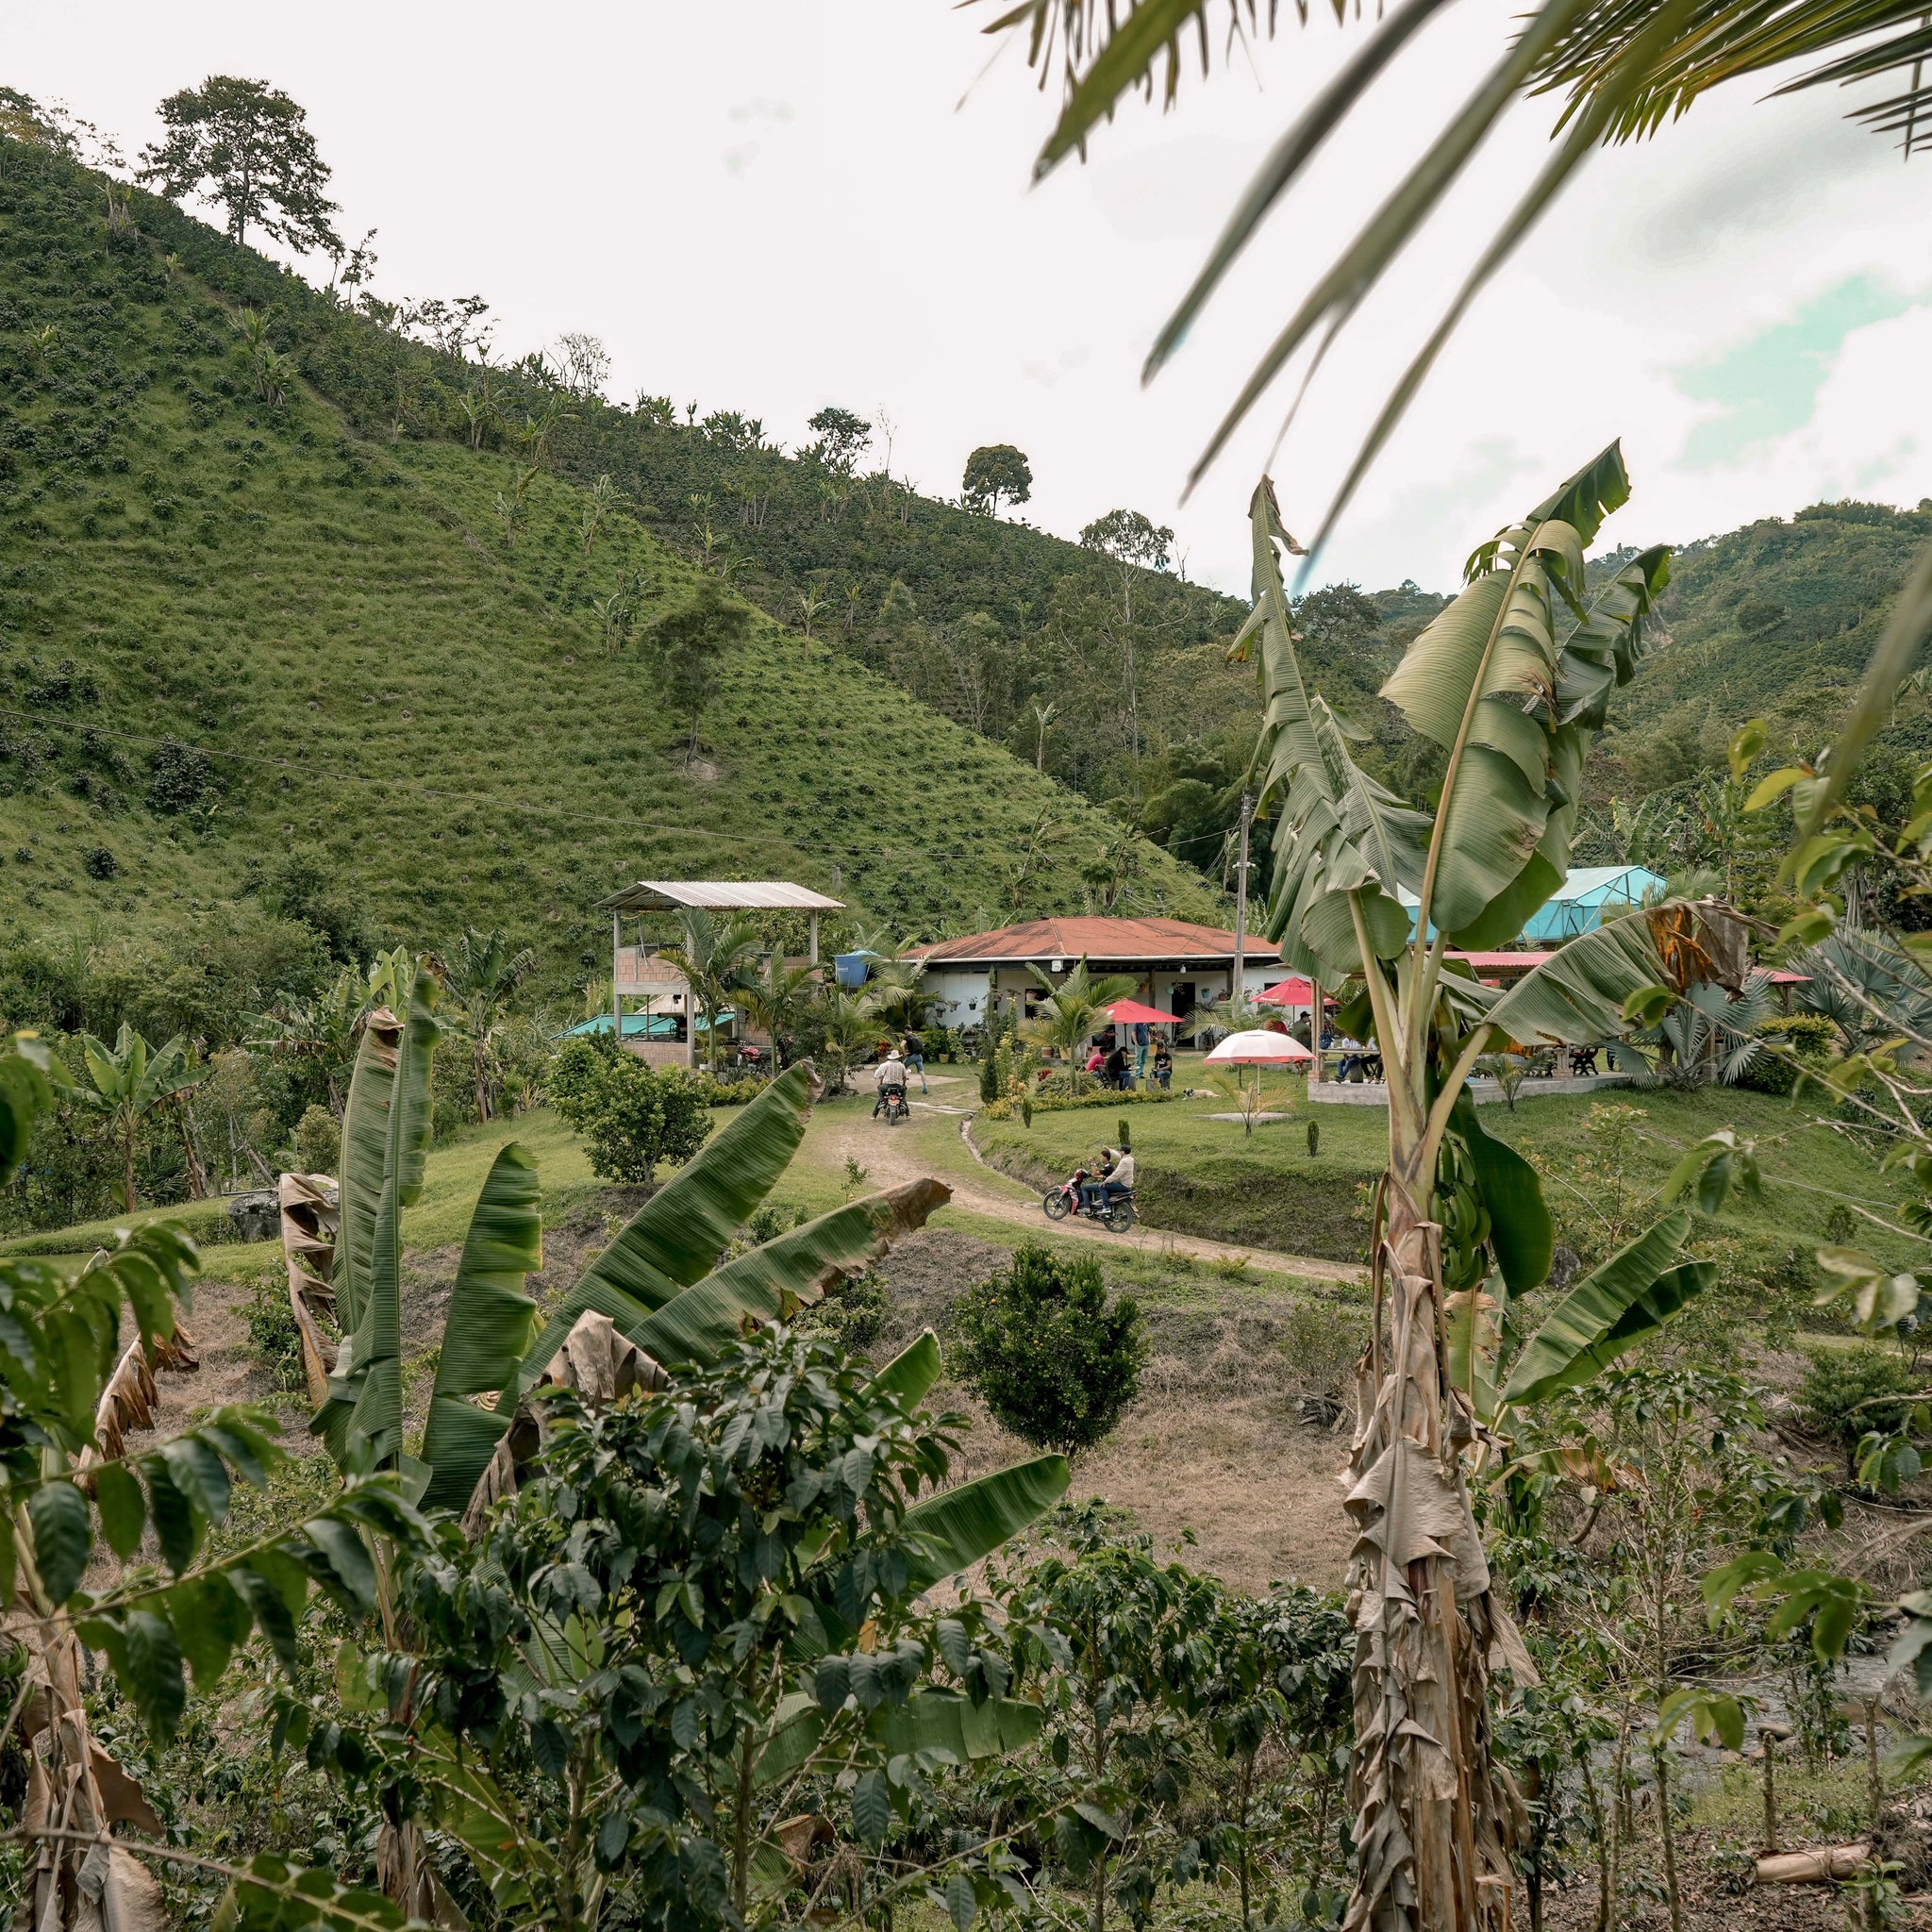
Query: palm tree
{"points": [[776, 998], [895, 996], [710, 956], [1074, 1012], [130, 1081], [845, 1026], [481, 973]]}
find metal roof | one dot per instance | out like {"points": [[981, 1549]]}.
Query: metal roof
{"points": [[719, 895], [1093, 938]]}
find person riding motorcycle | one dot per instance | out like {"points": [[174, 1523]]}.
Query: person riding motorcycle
{"points": [[892, 1073], [1115, 1182]]}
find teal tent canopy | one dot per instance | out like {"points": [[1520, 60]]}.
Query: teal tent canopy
{"points": [[1589, 896]]}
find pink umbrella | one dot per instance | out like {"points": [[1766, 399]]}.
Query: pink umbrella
{"points": [[1291, 993], [1132, 1013], [1257, 1049]]}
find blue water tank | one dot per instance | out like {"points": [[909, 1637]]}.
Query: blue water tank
{"points": [[851, 968]]}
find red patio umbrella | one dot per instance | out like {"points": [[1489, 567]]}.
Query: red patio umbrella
{"points": [[1291, 993], [1132, 1013]]}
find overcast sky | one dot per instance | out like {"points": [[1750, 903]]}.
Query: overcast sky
{"points": [[785, 203]]}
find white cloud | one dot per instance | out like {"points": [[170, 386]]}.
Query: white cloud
{"points": [[775, 207]]}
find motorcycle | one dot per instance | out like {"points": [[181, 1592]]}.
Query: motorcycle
{"points": [[894, 1105], [1116, 1215]]}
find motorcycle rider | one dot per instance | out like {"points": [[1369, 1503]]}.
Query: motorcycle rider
{"points": [[1114, 1182], [892, 1073]]}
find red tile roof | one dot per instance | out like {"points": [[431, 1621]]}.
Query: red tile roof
{"points": [[1093, 938]]}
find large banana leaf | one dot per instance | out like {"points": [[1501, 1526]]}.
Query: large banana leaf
{"points": [[1576, 995], [773, 1279], [962, 1525], [1611, 1309], [365, 1142], [1338, 832], [942, 1724], [913, 1370], [675, 1238], [1481, 680], [486, 1330], [953, 1728], [365, 1391]]}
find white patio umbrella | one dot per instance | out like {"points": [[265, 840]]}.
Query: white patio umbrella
{"points": [[1259, 1048]]}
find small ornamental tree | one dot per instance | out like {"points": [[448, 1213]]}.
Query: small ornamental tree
{"points": [[684, 648], [995, 471], [631, 1116], [1049, 1354]]}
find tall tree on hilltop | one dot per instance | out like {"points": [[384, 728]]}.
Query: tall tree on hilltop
{"points": [[995, 471], [841, 438], [246, 145]]}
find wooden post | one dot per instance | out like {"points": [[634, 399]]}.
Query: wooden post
{"points": [[1315, 1030], [1240, 904], [616, 1004]]}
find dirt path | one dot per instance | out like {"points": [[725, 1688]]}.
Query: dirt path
{"points": [[893, 1155]]}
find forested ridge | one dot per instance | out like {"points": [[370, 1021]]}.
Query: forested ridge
{"points": [[170, 507]]}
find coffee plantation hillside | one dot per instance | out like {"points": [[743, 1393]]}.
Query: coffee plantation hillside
{"points": [[253, 659]]}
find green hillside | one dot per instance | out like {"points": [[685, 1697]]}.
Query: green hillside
{"points": [[1776, 620], [403, 721]]}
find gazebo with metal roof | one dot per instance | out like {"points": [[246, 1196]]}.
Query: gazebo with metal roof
{"points": [[676, 896]]}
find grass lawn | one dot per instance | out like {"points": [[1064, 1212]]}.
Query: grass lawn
{"points": [[1204, 1176]]}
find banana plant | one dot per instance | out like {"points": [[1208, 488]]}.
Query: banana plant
{"points": [[659, 1282], [129, 1081], [1511, 680], [660, 1286]]}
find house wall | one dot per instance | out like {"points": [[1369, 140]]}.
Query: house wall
{"points": [[962, 992]]}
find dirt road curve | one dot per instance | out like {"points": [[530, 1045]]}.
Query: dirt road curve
{"points": [[981, 1189]]}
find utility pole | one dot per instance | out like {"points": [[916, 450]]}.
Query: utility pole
{"points": [[1241, 899]]}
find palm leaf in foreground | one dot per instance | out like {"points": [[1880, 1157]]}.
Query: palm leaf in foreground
{"points": [[365, 1400], [675, 1238], [487, 1327], [770, 1282], [1611, 1310]]}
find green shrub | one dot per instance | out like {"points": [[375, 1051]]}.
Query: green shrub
{"points": [[631, 1116], [853, 1314], [317, 1141], [1049, 1354], [731, 1092], [273, 1339], [1841, 1397], [1813, 1040], [1044, 1100]]}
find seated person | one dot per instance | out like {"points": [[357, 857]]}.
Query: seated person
{"points": [[1163, 1066]]}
